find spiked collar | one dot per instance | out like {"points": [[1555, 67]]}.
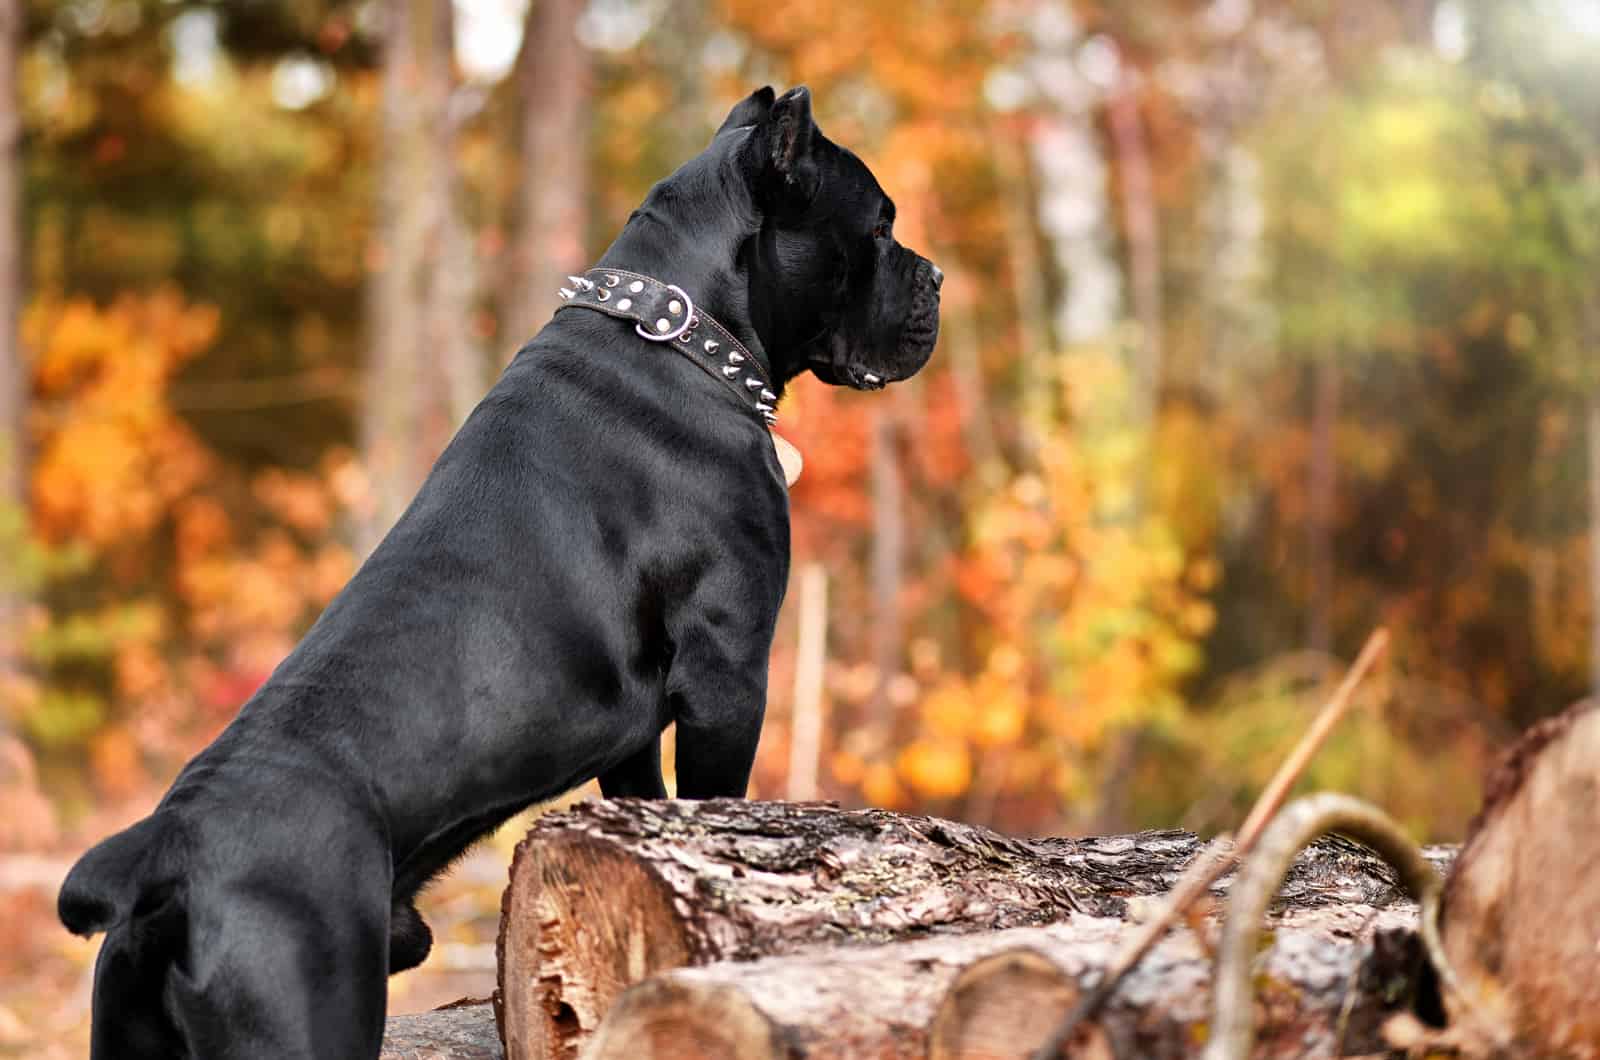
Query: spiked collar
{"points": [[664, 313]]}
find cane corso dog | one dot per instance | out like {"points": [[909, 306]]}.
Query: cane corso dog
{"points": [[599, 552]]}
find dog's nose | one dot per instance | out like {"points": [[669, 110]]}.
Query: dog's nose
{"points": [[938, 275]]}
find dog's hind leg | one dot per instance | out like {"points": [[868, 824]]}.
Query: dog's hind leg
{"points": [[639, 775], [130, 1019], [410, 939]]}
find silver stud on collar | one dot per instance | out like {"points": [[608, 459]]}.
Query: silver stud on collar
{"points": [[612, 279], [636, 286], [712, 346], [674, 307], [625, 304], [734, 357], [663, 325], [730, 370], [603, 294], [753, 383]]}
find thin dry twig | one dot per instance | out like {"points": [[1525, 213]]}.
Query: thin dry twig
{"points": [[1215, 860]]}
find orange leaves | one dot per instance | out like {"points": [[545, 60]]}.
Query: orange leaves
{"points": [[111, 455], [200, 578]]}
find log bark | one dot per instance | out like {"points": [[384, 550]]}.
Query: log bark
{"points": [[999, 994], [609, 893], [463, 1030]]}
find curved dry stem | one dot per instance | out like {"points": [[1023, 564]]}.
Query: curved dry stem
{"points": [[1263, 872]]}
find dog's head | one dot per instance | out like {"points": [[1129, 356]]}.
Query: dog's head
{"points": [[832, 290]]}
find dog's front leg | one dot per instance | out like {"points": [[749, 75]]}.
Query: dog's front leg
{"points": [[638, 776], [717, 691]]}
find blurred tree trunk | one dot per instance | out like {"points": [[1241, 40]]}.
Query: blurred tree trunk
{"points": [[1594, 520], [548, 237], [13, 366], [1142, 227], [1323, 497], [1074, 197], [888, 564], [420, 290]]}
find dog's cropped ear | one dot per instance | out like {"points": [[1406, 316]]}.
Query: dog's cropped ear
{"points": [[751, 110], [790, 131]]}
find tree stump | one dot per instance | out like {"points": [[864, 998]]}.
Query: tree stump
{"points": [[611, 892]]}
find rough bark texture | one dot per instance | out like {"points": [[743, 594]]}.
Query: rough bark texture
{"points": [[611, 892], [998, 994], [461, 1031], [1522, 905]]}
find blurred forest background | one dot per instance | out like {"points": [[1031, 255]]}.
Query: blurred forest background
{"points": [[1266, 322]]}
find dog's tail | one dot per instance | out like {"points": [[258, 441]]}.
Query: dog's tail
{"points": [[106, 884]]}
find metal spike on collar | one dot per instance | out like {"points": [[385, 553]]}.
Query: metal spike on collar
{"points": [[770, 417], [712, 345], [753, 383], [730, 370], [767, 395], [874, 380], [566, 294], [581, 283], [763, 408], [735, 357]]}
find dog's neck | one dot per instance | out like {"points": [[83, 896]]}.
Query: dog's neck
{"points": [[720, 288], [667, 240]]}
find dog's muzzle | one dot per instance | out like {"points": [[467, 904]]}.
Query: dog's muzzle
{"points": [[914, 344]]}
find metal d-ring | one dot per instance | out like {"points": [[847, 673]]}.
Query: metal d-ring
{"points": [[688, 315]]}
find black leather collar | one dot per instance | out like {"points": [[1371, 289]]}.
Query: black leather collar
{"points": [[664, 313]]}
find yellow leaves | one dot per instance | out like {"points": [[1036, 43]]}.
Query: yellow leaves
{"points": [[936, 769]]}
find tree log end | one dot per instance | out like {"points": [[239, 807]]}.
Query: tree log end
{"points": [[1523, 900], [1002, 1007], [672, 1019], [580, 922]]}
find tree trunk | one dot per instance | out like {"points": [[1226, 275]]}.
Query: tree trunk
{"points": [[417, 310], [548, 240], [1141, 222], [999, 994], [611, 892], [1324, 490], [1594, 528], [888, 562], [810, 667], [14, 375]]}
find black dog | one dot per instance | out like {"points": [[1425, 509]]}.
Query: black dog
{"points": [[600, 552]]}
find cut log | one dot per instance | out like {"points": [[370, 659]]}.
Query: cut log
{"points": [[1521, 920], [611, 892], [463, 1030], [999, 994]]}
